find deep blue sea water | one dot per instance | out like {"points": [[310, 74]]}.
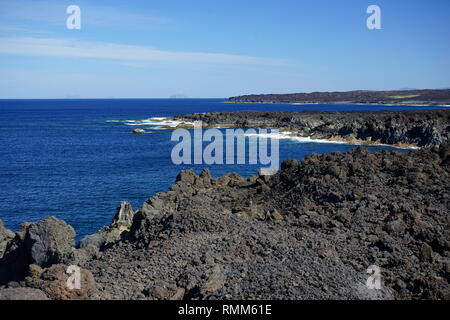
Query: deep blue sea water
{"points": [[65, 158]]}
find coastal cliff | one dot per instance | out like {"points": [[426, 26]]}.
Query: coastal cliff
{"points": [[405, 128], [308, 232]]}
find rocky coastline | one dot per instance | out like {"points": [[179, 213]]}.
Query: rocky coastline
{"points": [[439, 97], [308, 232], [404, 129]]}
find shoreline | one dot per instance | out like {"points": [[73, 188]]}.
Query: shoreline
{"points": [[343, 103], [413, 97], [332, 215], [408, 129], [173, 123]]}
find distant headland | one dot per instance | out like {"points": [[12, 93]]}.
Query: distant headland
{"points": [[397, 97]]}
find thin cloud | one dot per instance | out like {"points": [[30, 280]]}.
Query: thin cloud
{"points": [[112, 17], [27, 46], [50, 14], [9, 29]]}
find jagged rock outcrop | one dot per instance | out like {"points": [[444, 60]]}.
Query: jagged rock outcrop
{"points": [[5, 236], [310, 231], [413, 128], [107, 235]]}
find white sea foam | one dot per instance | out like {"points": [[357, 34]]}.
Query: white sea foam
{"points": [[289, 136], [156, 122], [159, 122]]}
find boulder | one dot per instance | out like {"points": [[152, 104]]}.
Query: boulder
{"points": [[139, 130], [48, 241], [43, 243], [54, 282]]}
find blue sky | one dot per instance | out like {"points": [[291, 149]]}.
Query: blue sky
{"points": [[199, 48]]}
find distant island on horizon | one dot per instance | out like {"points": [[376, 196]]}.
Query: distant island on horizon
{"points": [[394, 97]]}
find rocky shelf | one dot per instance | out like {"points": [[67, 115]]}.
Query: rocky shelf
{"points": [[308, 232], [398, 97], [402, 128]]}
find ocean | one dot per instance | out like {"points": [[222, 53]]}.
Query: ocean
{"points": [[77, 159]]}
